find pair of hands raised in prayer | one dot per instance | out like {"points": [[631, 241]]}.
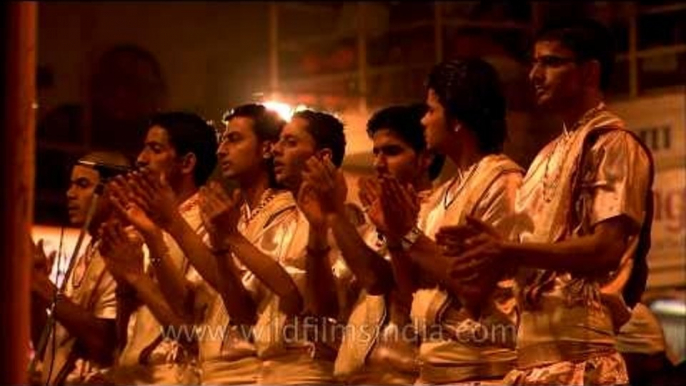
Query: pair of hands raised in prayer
{"points": [[323, 191], [220, 212], [41, 269], [473, 247], [145, 200], [391, 206]]}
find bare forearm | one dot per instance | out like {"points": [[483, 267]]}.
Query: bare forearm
{"points": [[584, 255], [125, 307], [96, 335], [321, 295], [150, 294], [172, 283], [370, 268], [268, 270], [219, 271], [195, 250], [405, 274], [239, 305], [426, 254]]}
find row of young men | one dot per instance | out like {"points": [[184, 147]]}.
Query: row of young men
{"points": [[498, 275]]}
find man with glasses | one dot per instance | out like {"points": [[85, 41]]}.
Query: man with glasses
{"points": [[584, 214]]}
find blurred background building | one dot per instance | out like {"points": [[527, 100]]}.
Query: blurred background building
{"points": [[105, 67]]}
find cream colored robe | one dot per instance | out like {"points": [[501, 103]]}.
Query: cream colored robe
{"points": [[452, 349], [301, 349], [567, 328], [149, 357], [95, 292], [226, 352], [375, 348]]}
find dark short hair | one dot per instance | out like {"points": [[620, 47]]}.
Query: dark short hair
{"points": [[189, 133], [405, 122], [588, 39], [469, 90], [267, 123], [327, 132]]}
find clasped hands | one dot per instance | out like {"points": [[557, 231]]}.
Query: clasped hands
{"points": [[145, 200], [474, 247], [475, 250], [323, 191], [220, 213]]}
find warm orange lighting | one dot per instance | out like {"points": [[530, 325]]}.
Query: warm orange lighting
{"points": [[284, 110], [51, 242]]}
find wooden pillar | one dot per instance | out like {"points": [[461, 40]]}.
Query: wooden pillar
{"points": [[17, 179]]}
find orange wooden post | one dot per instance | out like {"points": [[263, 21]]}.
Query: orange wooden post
{"points": [[17, 165]]}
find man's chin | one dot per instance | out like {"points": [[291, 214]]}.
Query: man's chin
{"points": [[545, 101], [228, 174]]}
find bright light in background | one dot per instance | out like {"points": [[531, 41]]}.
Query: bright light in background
{"points": [[284, 110], [51, 242]]}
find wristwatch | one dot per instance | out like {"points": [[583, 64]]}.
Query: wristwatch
{"points": [[410, 238]]}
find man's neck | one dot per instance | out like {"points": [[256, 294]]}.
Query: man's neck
{"points": [[93, 231], [465, 156], [295, 189], [424, 183], [253, 187], [573, 113], [185, 191]]}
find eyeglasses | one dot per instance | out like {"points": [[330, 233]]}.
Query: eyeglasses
{"points": [[551, 61]]}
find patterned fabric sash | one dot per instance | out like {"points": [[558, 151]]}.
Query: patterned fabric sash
{"points": [[428, 304], [362, 330], [253, 230], [558, 225], [66, 354]]}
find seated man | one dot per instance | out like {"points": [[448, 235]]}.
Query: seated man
{"points": [[157, 299], [82, 339], [400, 150]]}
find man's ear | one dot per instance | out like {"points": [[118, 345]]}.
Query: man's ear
{"points": [[188, 163], [324, 153], [455, 125]]}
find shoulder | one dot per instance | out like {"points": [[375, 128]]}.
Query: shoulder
{"points": [[507, 173], [503, 164], [281, 207], [619, 142]]}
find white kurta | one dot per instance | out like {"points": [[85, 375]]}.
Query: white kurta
{"points": [[149, 358], [487, 192], [92, 287], [567, 323]]}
